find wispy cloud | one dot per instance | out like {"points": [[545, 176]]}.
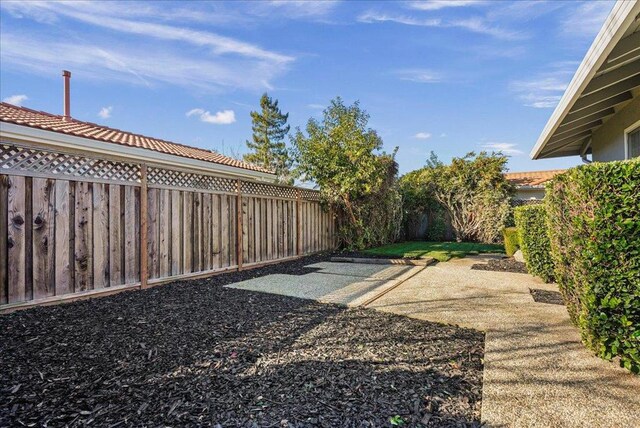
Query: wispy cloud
{"points": [[224, 117], [16, 100], [586, 19], [442, 4], [506, 148], [297, 8], [316, 106], [476, 24], [545, 89], [201, 58], [422, 136], [105, 112], [419, 75]]}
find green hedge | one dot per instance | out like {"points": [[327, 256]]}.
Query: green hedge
{"points": [[531, 222], [511, 240], [594, 219]]}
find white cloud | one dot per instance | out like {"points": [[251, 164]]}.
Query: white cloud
{"points": [[298, 8], [441, 4], [316, 106], [419, 75], [506, 148], [587, 18], [422, 136], [105, 112], [475, 25], [545, 89], [224, 117], [16, 100], [194, 58]]}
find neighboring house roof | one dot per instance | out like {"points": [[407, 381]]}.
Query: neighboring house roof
{"points": [[532, 178], [50, 122], [606, 81]]}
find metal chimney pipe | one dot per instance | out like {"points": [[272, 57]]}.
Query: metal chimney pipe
{"points": [[67, 94]]}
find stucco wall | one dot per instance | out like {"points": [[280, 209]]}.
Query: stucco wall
{"points": [[608, 140]]}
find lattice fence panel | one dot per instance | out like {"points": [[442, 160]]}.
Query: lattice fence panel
{"points": [[167, 177], [15, 158], [310, 195], [262, 189]]}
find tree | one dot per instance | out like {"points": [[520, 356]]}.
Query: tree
{"points": [[472, 189], [343, 156], [268, 147]]}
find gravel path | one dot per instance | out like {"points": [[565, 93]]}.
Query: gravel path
{"points": [[196, 353]]}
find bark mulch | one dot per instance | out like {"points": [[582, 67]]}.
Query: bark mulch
{"points": [[195, 353], [546, 296], [502, 265]]}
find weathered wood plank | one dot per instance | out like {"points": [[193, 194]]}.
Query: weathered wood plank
{"points": [[187, 233], [16, 239], [153, 233], [143, 228], [83, 254], [197, 232], [257, 231], [216, 235], [176, 232], [224, 230], [115, 236], [164, 231], [101, 253], [64, 205], [131, 234], [4, 188], [233, 234], [206, 231], [43, 238]]}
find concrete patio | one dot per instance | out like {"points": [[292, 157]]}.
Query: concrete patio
{"points": [[537, 372]]}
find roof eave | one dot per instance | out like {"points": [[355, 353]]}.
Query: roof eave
{"points": [[59, 140], [622, 15]]}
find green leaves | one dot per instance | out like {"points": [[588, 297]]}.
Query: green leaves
{"points": [[343, 156], [531, 222], [594, 228]]}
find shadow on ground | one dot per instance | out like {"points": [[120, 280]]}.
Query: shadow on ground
{"points": [[196, 353]]}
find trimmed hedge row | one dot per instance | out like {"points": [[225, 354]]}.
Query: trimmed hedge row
{"points": [[531, 222], [511, 240], [594, 227]]}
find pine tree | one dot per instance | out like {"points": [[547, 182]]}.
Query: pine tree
{"points": [[268, 147]]}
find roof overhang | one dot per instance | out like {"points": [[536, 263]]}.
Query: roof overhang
{"points": [[606, 81], [26, 134]]}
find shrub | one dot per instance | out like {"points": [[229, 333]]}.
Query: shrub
{"points": [[511, 240], [594, 218], [531, 222]]}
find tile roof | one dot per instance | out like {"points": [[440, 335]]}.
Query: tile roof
{"points": [[532, 178], [51, 122]]}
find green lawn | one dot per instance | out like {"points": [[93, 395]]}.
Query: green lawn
{"points": [[441, 251]]}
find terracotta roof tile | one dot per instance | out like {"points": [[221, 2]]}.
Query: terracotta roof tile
{"points": [[532, 178], [50, 122]]}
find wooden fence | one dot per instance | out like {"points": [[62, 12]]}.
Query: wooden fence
{"points": [[72, 224]]}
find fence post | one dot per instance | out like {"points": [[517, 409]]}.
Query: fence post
{"points": [[239, 226], [144, 268], [298, 225]]}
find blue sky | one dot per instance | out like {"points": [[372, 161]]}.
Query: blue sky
{"points": [[449, 76]]}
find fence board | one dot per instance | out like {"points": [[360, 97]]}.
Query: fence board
{"points": [[187, 233], [4, 187], [83, 236], [131, 236], [206, 231], [197, 232], [216, 235], [43, 237], [101, 253], [176, 226], [233, 234], [115, 235], [64, 242], [224, 230], [164, 232], [16, 239], [153, 232]]}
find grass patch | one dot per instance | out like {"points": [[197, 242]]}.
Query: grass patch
{"points": [[441, 251]]}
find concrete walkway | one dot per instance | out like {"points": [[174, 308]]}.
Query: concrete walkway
{"points": [[537, 372], [350, 284]]}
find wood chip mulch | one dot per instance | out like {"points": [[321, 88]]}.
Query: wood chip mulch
{"points": [[502, 265], [197, 354], [546, 296]]}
